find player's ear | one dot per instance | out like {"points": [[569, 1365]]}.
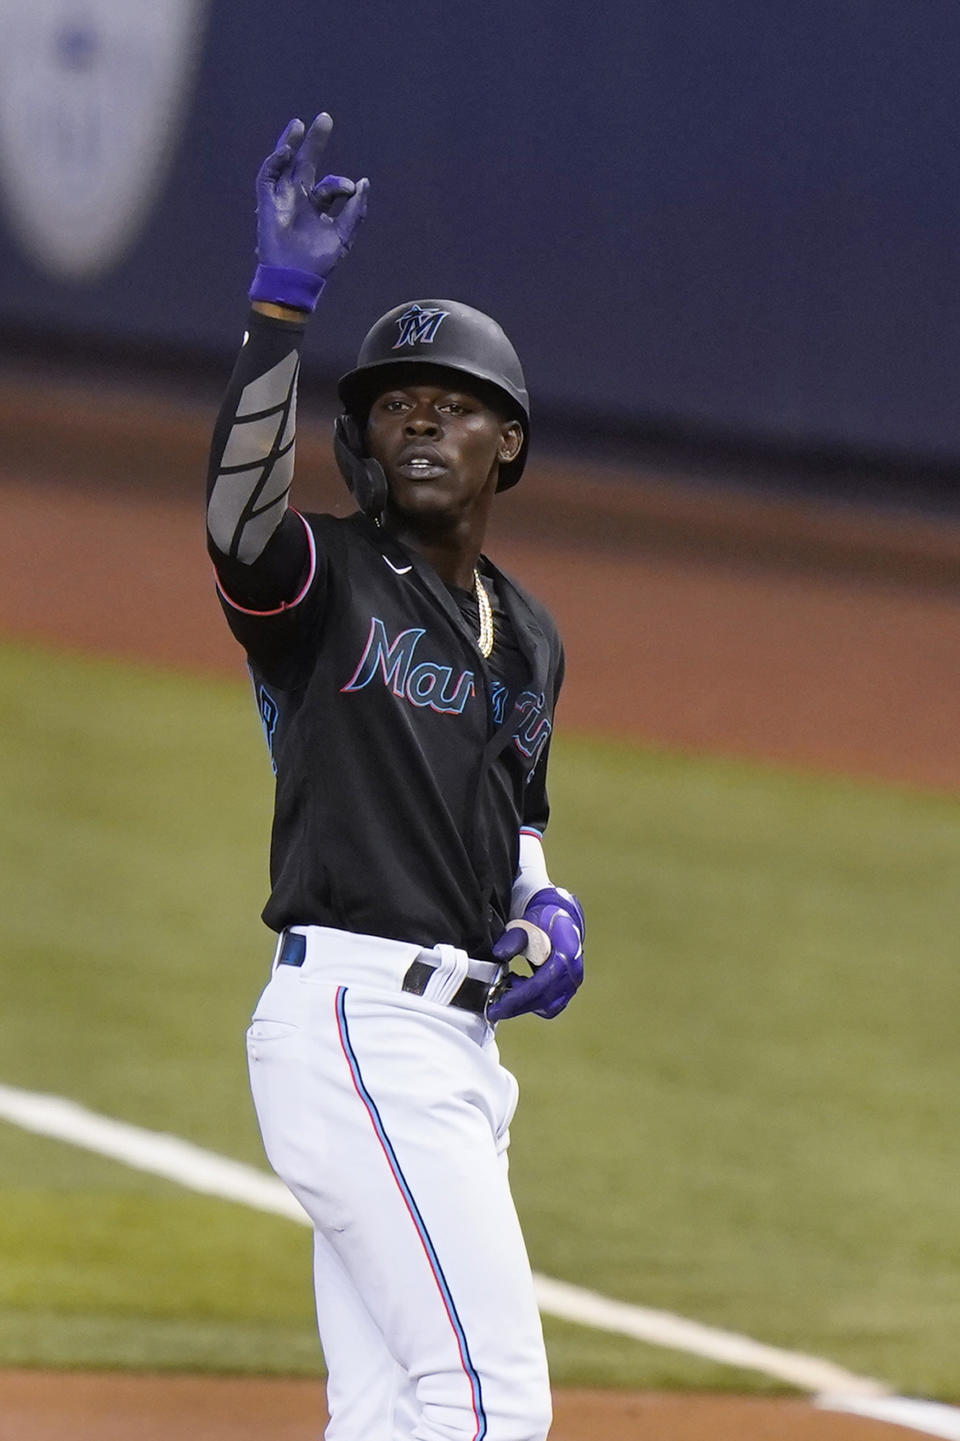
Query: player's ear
{"points": [[511, 439]]}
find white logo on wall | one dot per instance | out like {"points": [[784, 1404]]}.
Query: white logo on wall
{"points": [[92, 98]]}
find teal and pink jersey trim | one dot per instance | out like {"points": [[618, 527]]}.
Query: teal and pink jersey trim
{"points": [[301, 593]]}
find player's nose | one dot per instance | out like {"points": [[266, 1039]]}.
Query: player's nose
{"points": [[421, 422]]}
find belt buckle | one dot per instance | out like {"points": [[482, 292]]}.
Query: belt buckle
{"points": [[498, 988]]}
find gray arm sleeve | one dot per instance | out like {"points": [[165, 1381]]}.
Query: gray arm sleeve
{"points": [[251, 459]]}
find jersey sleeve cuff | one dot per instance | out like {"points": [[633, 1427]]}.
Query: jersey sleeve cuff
{"points": [[287, 604]]}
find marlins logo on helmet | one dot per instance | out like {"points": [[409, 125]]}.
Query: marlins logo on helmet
{"points": [[419, 326]]}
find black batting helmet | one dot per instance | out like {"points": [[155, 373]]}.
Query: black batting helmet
{"points": [[443, 333]]}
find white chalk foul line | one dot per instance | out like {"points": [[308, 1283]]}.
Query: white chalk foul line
{"points": [[200, 1170], [661, 1328], [154, 1151]]}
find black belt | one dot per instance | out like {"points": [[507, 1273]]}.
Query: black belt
{"points": [[471, 995]]}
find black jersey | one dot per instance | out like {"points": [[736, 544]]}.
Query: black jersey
{"points": [[405, 763]]}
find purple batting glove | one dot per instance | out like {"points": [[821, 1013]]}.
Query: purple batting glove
{"points": [[300, 236], [554, 983]]}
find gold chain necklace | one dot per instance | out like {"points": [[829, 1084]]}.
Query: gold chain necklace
{"points": [[485, 638]]}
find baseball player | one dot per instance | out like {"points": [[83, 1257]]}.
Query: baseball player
{"points": [[406, 688]]}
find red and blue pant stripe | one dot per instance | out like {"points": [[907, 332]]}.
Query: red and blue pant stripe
{"points": [[413, 1209]]}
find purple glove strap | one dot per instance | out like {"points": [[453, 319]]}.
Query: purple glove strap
{"points": [[553, 896], [284, 286]]}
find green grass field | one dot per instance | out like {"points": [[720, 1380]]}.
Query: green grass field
{"points": [[749, 1116]]}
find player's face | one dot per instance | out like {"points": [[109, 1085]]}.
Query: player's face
{"points": [[440, 447]]}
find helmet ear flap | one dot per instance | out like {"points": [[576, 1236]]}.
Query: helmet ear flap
{"points": [[364, 475]]}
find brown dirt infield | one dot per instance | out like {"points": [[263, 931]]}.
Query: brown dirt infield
{"points": [[35, 1406], [806, 634]]}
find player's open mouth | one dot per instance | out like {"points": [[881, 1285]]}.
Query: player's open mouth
{"points": [[422, 467]]}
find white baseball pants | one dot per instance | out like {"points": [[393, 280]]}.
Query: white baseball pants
{"points": [[387, 1116]]}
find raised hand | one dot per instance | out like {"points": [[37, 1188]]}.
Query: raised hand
{"points": [[302, 227]]}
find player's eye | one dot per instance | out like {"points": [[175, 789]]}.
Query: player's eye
{"points": [[454, 407]]}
